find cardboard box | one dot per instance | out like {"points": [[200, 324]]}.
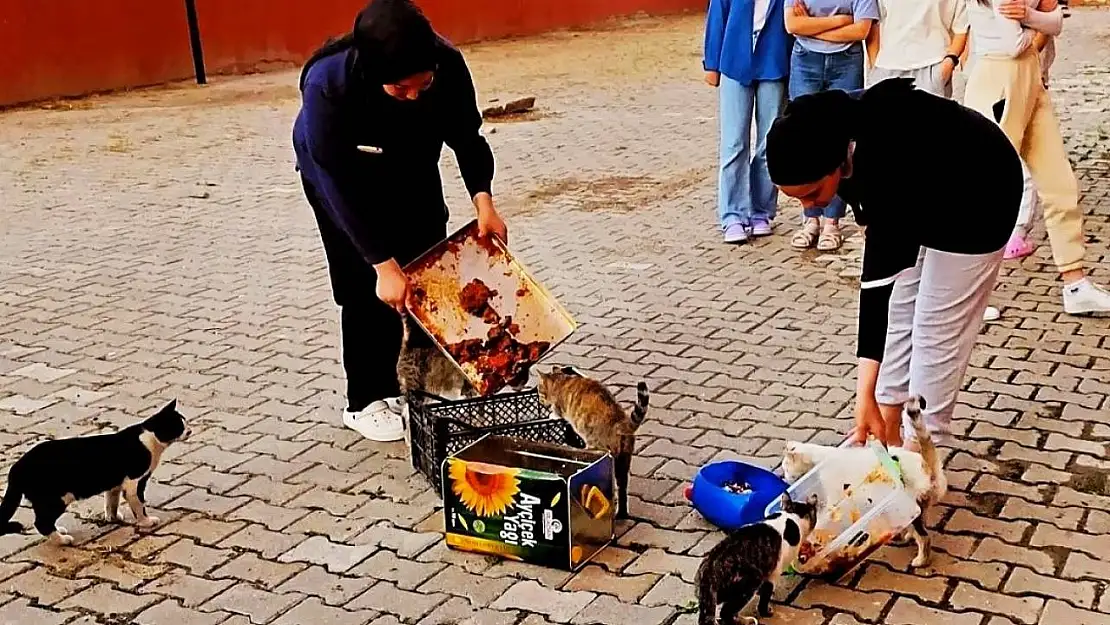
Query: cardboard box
{"points": [[533, 502]]}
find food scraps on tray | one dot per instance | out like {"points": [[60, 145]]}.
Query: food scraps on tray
{"points": [[500, 358]]}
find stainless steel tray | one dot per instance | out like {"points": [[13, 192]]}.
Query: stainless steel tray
{"points": [[493, 345]]}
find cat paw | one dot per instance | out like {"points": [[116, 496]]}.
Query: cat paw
{"points": [[113, 517], [903, 539], [921, 561], [749, 620], [147, 522]]}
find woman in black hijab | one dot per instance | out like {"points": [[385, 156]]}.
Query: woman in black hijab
{"points": [[932, 250], [377, 107]]}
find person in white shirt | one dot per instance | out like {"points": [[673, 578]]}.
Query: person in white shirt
{"points": [[919, 39], [1006, 84]]}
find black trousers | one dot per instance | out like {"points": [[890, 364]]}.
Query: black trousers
{"points": [[371, 329]]}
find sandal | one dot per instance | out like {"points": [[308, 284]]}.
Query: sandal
{"points": [[1018, 247], [807, 236], [831, 239]]}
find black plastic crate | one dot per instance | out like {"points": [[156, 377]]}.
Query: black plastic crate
{"points": [[439, 428]]}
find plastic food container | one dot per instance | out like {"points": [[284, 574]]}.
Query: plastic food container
{"points": [[861, 510], [728, 510]]}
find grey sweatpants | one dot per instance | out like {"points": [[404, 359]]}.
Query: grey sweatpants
{"points": [[936, 311], [927, 78]]}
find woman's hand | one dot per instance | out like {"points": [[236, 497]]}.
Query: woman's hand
{"points": [[1013, 9], [869, 420], [713, 79], [947, 68], [489, 222], [393, 285]]}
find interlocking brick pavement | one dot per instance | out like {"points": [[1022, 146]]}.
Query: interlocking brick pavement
{"points": [[156, 244]]}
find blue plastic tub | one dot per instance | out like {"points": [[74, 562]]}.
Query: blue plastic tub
{"points": [[729, 511]]}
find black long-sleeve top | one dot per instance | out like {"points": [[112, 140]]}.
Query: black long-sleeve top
{"points": [[926, 172], [374, 159]]}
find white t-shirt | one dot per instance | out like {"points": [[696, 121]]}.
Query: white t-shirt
{"points": [[760, 15], [916, 33], [995, 35]]}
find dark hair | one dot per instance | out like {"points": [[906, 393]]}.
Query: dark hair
{"points": [[391, 39], [810, 139]]}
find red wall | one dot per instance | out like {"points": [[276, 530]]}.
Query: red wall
{"points": [[56, 48], [69, 47]]}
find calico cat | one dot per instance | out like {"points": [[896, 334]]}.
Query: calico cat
{"points": [[750, 560], [922, 472], [54, 474], [596, 416]]}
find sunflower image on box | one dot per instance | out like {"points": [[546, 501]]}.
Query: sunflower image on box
{"points": [[525, 514]]}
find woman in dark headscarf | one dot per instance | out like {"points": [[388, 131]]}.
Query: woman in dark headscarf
{"points": [[932, 250], [377, 107]]}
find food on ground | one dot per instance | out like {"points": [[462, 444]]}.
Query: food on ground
{"points": [[738, 488]]}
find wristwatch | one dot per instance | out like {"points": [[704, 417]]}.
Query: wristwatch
{"points": [[955, 59]]}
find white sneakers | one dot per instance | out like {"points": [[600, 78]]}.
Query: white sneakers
{"points": [[1085, 297], [381, 421], [1080, 298]]}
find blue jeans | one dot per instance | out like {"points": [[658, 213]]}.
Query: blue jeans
{"points": [[811, 72], [745, 191]]}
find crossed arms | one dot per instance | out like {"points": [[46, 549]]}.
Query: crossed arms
{"points": [[834, 28]]}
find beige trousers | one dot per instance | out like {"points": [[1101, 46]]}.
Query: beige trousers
{"points": [[1029, 120]]}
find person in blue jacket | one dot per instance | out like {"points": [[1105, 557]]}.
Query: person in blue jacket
{"points": [[747, 57], [378, 105]]}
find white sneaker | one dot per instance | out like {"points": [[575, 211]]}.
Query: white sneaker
{"points": [[377, 422], [1085, 297]]}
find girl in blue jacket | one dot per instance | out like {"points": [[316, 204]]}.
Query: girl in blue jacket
{"points": [[747, 57], [377, 107]]}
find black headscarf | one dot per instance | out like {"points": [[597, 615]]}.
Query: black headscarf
{"points": [[392, 40]]}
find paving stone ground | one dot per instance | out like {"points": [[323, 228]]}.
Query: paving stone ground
{"points": [[156, 245]]}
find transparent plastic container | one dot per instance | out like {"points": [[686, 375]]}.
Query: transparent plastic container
{"points": [[861, 509]]}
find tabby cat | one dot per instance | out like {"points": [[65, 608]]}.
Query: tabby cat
{"points": [[596, 416], [423, 367], [750, 560]]}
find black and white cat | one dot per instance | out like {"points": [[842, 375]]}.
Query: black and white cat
{"points": [[54, 474], [750, 560]]}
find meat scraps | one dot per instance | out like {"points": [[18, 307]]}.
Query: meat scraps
{"points": [[475, 298], [500, 359]]}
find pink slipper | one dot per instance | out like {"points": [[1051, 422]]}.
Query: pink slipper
{"points": [[1018, 247]]}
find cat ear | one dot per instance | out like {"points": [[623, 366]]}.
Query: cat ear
{"points": [[813, 500], [171, 407], [785, 501]]}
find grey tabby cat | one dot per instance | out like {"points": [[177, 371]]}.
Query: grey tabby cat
{"points": [[750, 560], [598, 418], [423, 367]]}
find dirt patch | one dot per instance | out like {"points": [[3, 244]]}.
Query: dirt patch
{"points": [[1090, 481], [611, 193], [1012, 469]]}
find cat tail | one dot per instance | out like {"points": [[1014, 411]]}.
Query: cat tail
{"points": [[639, 411], [930, 457], [12, 497], [707, 599]]}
